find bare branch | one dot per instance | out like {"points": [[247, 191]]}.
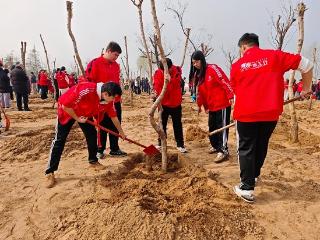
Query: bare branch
{"points": [[69, 9]]}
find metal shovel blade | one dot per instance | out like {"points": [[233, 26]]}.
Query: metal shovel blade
{"points": [[151, 150]]}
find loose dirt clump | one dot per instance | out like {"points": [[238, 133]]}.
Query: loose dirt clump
{"points": [[182, 204], [194, 133]]}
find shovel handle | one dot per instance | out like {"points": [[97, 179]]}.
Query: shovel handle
{"points": [[114, 133], [232, 124]]}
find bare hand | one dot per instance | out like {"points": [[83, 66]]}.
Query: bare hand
{"points": [[82, 119], [123, 135]]}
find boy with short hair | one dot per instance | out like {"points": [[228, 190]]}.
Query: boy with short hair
{"points": [[79, 103]]}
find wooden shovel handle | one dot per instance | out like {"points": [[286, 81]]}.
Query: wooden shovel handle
{"points": [[233, 124], [114, 133]]}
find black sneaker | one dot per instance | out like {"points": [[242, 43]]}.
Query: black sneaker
{"points": [[118, 153], [27, 109]]}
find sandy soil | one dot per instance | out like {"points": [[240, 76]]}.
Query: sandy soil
{"points": [[194, 200]]}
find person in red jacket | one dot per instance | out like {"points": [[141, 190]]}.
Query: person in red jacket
{"points": [[79, 103], [106, 69], [72, 80], [171, 103], [43, 84], [63, 80], [257, 81], [215, 95]]}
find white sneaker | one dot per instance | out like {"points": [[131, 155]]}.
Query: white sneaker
{"points": [[212, 150], [182, 149], [101, 155], [221, 157], [246, 195]]}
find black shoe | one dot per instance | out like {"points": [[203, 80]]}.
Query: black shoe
{"points": [[20, 109], [27, 109], [118, 153]]}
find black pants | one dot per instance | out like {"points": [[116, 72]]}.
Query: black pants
{"points": [[176, 115], [219, 119], [19, 97], [44, 92], [107, 123], [57, 146], [252, 149]]}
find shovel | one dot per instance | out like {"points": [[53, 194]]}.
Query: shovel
{"points": [[6, 117], [148, 150], [234, 123]]}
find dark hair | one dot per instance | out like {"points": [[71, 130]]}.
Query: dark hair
{"points": [[62, 68], [250, 39], [169, 63], [114, 47], [111, 88], [199, 74]]}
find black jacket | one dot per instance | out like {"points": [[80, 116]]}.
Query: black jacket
{"points": [[20, 81], [4, 82]]}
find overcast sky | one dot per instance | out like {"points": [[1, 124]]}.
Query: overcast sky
{"points": [[96, 22]]}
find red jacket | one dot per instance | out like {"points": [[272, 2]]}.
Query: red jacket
{"points": [[102, 70], [84, 100], [215, 91], [300, 86], [173, 96], [257, 80], [61, 79], [43, 79], [72, 81]]}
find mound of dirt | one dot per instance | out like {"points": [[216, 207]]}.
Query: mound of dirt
{"points": [[183, 204], [29, 145], [194, 133]]}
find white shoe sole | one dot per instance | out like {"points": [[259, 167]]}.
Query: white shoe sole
{"points": [[242, 197]]}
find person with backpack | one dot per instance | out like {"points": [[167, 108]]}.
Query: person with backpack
{"points": [[215, 95], [81, 102], [171, 102], [105, 69], [255, 111]]}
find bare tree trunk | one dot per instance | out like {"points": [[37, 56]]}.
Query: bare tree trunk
{"points": [[158, 128], [54, 63], [314, 54], [128, 70], [139, 6], [77, 66], [45, 51], [23, 54], [301, 8], [49, 70], [69, 9], [185, 46]]}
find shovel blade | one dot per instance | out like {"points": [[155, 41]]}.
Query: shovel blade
{"points": [[151, 150]]}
